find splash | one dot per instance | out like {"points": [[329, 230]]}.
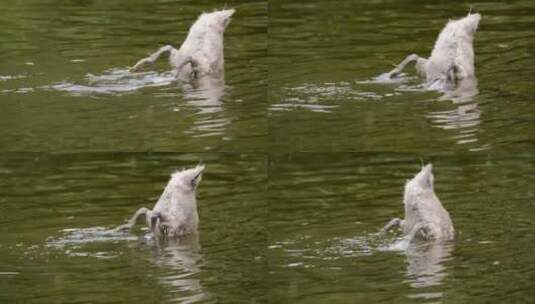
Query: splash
{"points": [[398, 244], [323, 97], [11, 77], [115, 81], [302, 251], [74, 241], [387, 78]]}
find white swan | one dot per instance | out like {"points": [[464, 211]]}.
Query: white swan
{"points": [[452, 58], [202, 51], [175, 213], [425, 217]]}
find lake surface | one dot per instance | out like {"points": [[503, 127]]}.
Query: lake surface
{"points": [[326, 209], [343, 146], [323, 56], [306, 154], [64, 84], [57, 210]]}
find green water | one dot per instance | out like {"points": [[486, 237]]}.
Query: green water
{"points": [[56, 44], [61, 203], [306, 154], [321, 52], [324, 247]]}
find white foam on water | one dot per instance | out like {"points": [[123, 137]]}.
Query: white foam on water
{"points": [[115, 81], [89, 235], [398, 244], [11, 77]]}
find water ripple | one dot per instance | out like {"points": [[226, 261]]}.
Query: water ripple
{"points": [[115, 81]]}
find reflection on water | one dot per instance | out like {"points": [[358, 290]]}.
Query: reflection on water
{"points": [[464, 118], [328, 208], [179, 259], [183, 252], [425, 263], [346, 100], [63, 207], [65, 65], [318, 43], [206, 93], [425, 269], [425, 266], [465, 90], [466, 115]]}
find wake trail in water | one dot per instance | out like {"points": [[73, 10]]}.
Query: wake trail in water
{"points": [[115, 81], [73, 236], [82, 241], [366, 245]]}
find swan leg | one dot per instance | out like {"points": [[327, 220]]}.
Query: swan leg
{"points": [[152, 220], [132, 221], [194, 64], [159, 224], [195, 69], [395, 222], [152, 58], [419, 228], [456, 73], [399, 68]]}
